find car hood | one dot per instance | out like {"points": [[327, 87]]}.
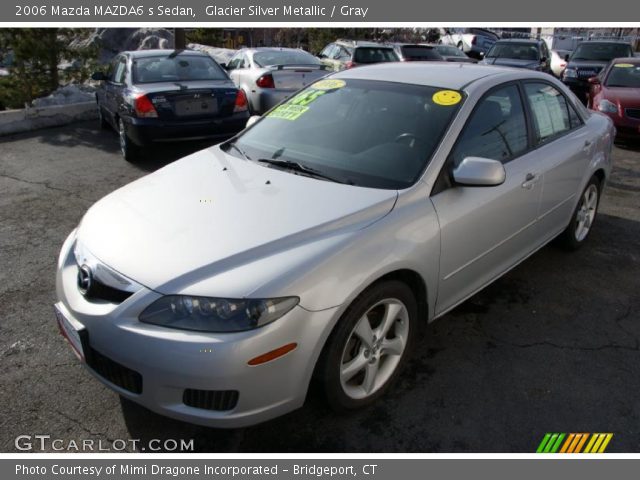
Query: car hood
{"points": [[587, 64], [627, 97], [511, 62], [211, 212]]}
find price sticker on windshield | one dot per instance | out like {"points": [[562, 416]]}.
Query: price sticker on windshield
{"points": [[624, 65], [288, 111], [329, 84]]}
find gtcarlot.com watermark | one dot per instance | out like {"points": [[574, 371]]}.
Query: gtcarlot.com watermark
{"points": [[47, 443]]}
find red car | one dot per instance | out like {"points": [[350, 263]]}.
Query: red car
{"points": [[616, 92]]}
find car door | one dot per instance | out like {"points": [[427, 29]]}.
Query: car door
{"points": [[486, 230], [564, 147], [115, 85]]}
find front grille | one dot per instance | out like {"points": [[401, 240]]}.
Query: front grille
{"points": [[210, 399], [633, 113], [113, 371], [101, 291], [588, 73]]}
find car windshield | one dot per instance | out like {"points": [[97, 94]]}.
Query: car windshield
{"points": [[284, 57], [362, 132], [419, 52], [450, 51], [624, 75], [374, 55], [519, 51], [176, 68], [601, 52]]}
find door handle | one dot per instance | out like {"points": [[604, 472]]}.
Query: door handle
{"points": [[529, 181], [587, 145]]}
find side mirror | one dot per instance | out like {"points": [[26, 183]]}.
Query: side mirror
{"points": [[543, 60], [566, 57], [252, 119], [322, 55], [224, 65], [482, 54], [98, 76], [479, 172], [594, 81]]}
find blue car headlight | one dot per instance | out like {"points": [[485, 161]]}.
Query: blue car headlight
{"points": [[205, 314]]}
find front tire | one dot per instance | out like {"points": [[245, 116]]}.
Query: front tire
{"points": [[130, 151], [578, 230], [369, 346]]}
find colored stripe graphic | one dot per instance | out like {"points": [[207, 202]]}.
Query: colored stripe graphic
{"points": [[573, 443]]}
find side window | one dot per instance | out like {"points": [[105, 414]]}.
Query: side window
{"points": [[120, 71], [497, 128], [233, 63], [574, 118], [343, 54], [327, 51], [549, 110]]}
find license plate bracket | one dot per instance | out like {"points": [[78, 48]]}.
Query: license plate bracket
{"points": [[72, 331]]}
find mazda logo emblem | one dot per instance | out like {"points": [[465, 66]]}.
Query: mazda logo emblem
{"points": [[85, 278]]}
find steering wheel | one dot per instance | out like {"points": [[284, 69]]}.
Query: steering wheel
{"points": [[408, 138]]}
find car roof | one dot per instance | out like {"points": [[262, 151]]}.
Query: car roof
{"points": [[271, 49], [634, 60], [603, 42], [161, 53], [435, 74]]}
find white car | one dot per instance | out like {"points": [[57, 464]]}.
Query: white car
{"points": [[315, 242], [475, 42]]}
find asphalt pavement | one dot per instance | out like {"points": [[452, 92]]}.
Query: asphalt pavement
{"points": [[553, 346]]}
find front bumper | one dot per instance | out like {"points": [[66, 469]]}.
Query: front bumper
{"points": [[147, 131], [169, 362]]}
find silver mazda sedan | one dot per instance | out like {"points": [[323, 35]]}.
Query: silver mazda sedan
{"points": [[314, 243]]}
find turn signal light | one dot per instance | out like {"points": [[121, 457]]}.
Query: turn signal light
{"points": [[272, 355], [144, 107]]}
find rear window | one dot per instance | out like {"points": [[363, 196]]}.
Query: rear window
{"points": [[624, 75], [517, 51], [374, 55], [450, 51], [180, 68], [601, 52], [417, 52], [285, 57]]}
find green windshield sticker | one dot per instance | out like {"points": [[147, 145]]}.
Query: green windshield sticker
{"points": [[288, 111], [329, 84], [306, 97], [624, 65]]}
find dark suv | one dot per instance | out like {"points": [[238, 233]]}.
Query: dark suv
{"points": [[587, 60], [530, 54], [343, 54]]}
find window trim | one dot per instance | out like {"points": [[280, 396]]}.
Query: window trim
{"points": [[120, 59], [540, 143]]}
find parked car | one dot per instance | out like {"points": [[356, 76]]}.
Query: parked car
{"points": [[154, 96], [558, 61], [587, 60], [453, 54], [326, 238], [616, 93], [344, 54], [530, 54], [411, 52], [269, 75], [475, 42]]}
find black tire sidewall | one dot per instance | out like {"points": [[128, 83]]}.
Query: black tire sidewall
{"points": [[332, 353], [569, 239], [131, 151]]}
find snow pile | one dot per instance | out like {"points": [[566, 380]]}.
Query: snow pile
{"points": [[67, 95], [220, 55], [111, 41]]}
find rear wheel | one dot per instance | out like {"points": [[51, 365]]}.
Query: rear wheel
{"points": [[578, 230], [130, 151], [369, 346]]}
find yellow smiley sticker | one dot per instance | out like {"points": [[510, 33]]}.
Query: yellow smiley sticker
{"points": [[624, 65], [446, 98], [328, 84]]}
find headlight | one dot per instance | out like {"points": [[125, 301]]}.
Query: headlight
{"points": [[215, 314], [571, 73], [607, 106]]}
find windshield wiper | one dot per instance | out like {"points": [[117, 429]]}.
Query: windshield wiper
{"points": [[237, 149], [298, 167]]}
